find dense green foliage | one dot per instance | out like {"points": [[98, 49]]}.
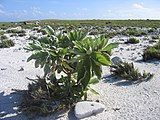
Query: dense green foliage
{"points": [[152, 52], [132, 41], [127, 71], [76, 58]]}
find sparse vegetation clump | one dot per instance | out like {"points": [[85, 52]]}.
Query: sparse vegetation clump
{"points": [[32, 37], [2, 32], [133, 32], [128, 72], [3, 37], [15, 31], [21, 34], [155, 37], [76, 58], [152, 52], [6, 43], [41, 31], [132, 41], [151, 30], [111, 34]]}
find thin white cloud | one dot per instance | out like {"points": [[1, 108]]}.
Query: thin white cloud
{"points": [[52, 13], [1, 11], [17, 13], [36, 11], [138, 6]]}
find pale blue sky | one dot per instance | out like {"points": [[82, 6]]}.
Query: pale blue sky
{"points": [[18, 10]]}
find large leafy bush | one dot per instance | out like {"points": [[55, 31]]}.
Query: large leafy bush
{"points": [[75, 57]]}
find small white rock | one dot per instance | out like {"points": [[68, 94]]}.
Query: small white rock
{"points": [[86, 109]]}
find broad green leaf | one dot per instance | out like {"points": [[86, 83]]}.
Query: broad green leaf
{"points": [[104, 59], [46, 69], [93, 91], [49, 30], [67, 66], [33, 56], [37, 63], [109, 47], [97, 69], [94, 80]]}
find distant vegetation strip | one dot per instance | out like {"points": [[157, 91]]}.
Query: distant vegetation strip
{"points": [[109, 23]]}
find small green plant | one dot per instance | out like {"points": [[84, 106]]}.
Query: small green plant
{"points": [[155, 37], [133, 32], [14, 34], [74, 54], [15, 31], [2, 32], [132, 41], [41, 31], [111, 34], [127, 71], [93, 33], [3, 37], [32, 37], [6, 43], [152, 52], [151, 30], [21, 34]]}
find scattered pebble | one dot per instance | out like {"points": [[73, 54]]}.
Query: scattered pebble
{"points": [[21, 69]]}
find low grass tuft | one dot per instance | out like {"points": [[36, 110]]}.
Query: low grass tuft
{"points": [[6, 43], [128, 72], [132, 41]]}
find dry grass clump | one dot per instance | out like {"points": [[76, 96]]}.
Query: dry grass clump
{"points": [[128, 72]]}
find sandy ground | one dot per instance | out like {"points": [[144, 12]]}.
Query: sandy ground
{"points": [[123, 100]]}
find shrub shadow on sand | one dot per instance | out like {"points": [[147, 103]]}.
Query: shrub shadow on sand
{"points": [[122, 82], [10, 103], [154, 61], [116, 80], [8, 106]]}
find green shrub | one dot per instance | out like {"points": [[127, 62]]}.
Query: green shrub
{"points": [[2, 32], [32, 37], [133, 32], [93, 33], [143, 33], [132, 41], [111, 34], [14, 34], [150, 30], [21, 34], [152, 52], [6, 43], [3, 37], [79, 57], [16, 31], [127, 71], [42, 31], [155, 37]]}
